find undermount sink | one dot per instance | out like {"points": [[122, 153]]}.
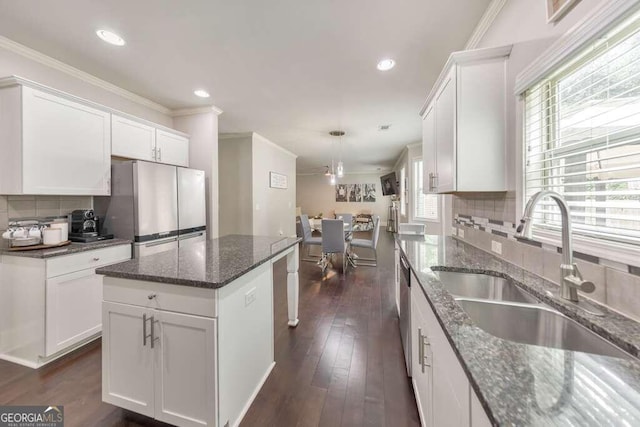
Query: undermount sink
{"points": [[536, 325], [483, 286]]}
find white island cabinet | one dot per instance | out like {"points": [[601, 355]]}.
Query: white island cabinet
{"points": [[186, 349]]}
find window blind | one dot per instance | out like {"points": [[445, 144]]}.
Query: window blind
{"points": [[582, 138], [425, 205]]}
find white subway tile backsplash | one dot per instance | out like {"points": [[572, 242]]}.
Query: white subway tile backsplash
{"points": [[623, 292], [40, 206]]}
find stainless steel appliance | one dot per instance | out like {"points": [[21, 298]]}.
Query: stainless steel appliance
{"points": [[405, 311], [147, 203], [192, 211]]}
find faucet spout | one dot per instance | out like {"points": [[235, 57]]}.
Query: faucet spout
{"points": [[571, 278]]}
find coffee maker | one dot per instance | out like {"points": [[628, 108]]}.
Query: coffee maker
{"points": [[85, 227]]}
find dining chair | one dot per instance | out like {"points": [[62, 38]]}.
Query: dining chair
{"points": [[369, 244], [333, 242], [347, 218], [303, 230]]}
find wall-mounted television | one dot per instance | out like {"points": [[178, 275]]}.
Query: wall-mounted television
{"points": [[389, 184]]}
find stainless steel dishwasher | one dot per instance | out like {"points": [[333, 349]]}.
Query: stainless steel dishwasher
{"points": [[405, 311]]}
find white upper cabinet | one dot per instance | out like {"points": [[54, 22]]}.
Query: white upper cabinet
{"points": [[464, 124], [52, 144], [171, 148], [132, 139], [142, 141]]}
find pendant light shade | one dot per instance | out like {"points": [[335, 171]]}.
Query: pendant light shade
{"points": [[332, 179], [340, 169]]}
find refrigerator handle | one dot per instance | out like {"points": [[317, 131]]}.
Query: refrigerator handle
{"points": [[152, 244]]}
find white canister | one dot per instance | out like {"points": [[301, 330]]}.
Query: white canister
{"points": [[51, 236], [64, 227]]}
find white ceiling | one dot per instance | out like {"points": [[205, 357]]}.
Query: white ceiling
{"points": [[291, 70]]}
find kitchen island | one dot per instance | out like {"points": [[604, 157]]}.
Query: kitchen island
{"points": [[188, 333]]}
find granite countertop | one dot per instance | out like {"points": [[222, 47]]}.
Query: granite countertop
{"points": [[520, 384], [209, 264], [65, 250]]}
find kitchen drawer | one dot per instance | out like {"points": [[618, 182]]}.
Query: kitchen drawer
{"points": [[88, 259], [161, 296]]}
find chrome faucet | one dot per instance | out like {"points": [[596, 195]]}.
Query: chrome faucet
{"points": [[572, 280]]}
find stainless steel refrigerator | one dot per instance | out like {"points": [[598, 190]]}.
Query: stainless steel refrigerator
{"points": [[159, 207]]}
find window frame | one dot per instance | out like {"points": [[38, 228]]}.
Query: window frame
{"points": [[415, 192], [603, 19]]}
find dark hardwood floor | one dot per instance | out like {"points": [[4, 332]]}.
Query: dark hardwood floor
{"points": [[342, 366]]}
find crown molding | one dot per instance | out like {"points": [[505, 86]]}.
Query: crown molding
{"points": [[376, 172], [490, 15], [50, 62], [196, 110], [255, 135], [600, 20]]}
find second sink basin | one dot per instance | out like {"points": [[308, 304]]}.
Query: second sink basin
{"points": [[536, 325], [483, 286]]}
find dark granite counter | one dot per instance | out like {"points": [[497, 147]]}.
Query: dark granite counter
{"points": [[65, 250], [520, 384], [210, 264]]}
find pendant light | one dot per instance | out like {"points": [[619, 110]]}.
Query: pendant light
{"points": [[340, 168]]}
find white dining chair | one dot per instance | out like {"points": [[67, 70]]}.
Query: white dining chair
{"points": [[369, 244], [303, 229], [333, 243]]}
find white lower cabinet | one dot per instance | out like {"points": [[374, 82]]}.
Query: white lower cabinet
{"points": [[50, 306], [443, 393], [73, 309], [160, 364]]}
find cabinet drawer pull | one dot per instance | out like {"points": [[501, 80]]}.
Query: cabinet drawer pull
{"points": [[96, 258], [151, 296]]}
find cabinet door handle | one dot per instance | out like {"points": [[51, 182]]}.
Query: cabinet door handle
{"points": [[153, 153], [144, 330], [96, 258], [425, 357], [153, 333], [420, 347], [159, 154], [435, 182]]}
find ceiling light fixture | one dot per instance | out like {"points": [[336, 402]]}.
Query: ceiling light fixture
{"points": [[386, 64], [111, 38], [327, 172], [201, 93]]}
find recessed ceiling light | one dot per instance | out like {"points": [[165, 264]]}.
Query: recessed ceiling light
{"points": [[386, 64], [111, 38], [201, 93]]}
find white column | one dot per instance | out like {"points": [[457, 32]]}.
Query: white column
{"points": [[293, 286], [202, 125]]}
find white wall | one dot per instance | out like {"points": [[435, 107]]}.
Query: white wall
{"points": [[12, 63], [315, 195], [274, 208], [247, 203], [203, 155]]}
